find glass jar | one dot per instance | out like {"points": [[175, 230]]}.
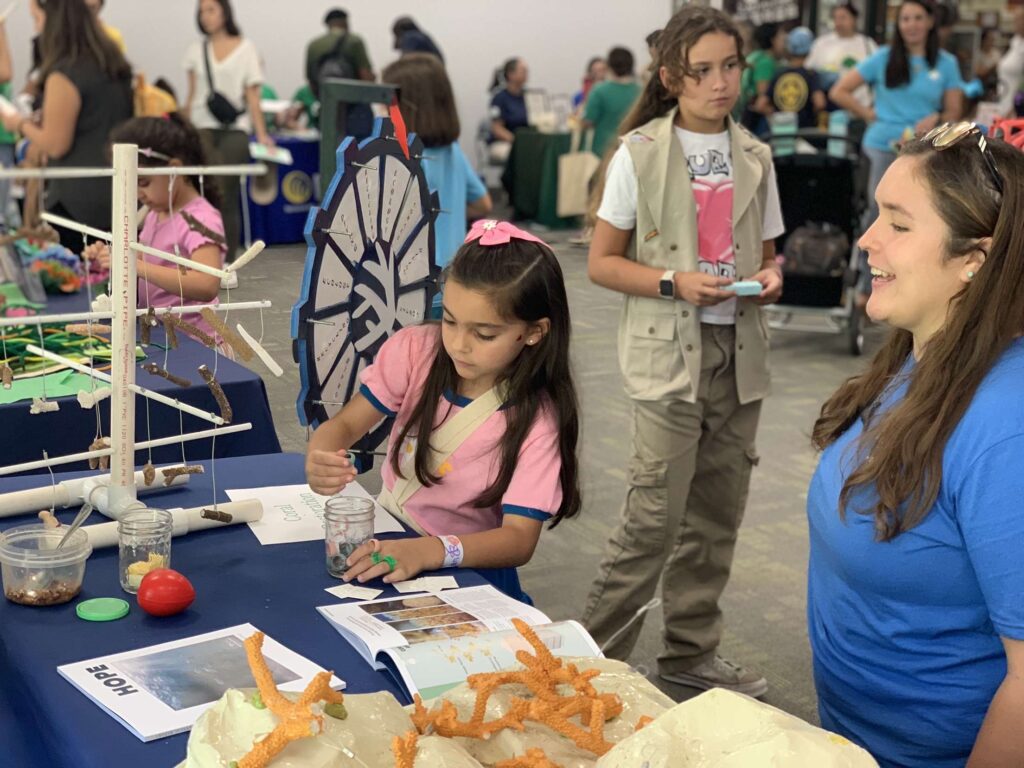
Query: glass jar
{"points": [[348, 522], [144, 544]]}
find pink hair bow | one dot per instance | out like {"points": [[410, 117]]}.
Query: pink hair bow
{"points": [[491, 232]]}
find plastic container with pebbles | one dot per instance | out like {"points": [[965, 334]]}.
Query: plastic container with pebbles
{"points": [[35, 571]]}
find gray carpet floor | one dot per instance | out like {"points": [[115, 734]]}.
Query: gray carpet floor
{"points": [[764, 604]]}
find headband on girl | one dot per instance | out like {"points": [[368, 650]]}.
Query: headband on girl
{"points": [[491, 232], [154, 154]]}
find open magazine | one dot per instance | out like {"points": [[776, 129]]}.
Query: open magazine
{"points": [[432, 643], [163, 689]]}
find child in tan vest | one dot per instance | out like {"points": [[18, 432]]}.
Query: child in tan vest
{"points": [[690, 207]]}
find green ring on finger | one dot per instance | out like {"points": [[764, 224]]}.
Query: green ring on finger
{"points": [[377, 557]]}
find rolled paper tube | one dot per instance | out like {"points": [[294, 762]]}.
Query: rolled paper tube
{"points": [[261, 353], [216, 514], [218, 393], [87, 329], [172, 338], [156, 370], [233, 340]]}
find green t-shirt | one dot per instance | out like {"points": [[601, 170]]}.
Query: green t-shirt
{"points": [[761, 68], [607, 103], [6, 137], [268, 94], [352, 48], [310, 105]]}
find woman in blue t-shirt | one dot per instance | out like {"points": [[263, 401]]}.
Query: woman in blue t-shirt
{"points": [[916, 87], [915, 597]]}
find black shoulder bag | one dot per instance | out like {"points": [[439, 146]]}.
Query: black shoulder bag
{"points": [[222, 109]]}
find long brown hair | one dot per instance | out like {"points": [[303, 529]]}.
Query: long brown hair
{"points": [[425, 98], [681, 33], [672, 51], [72, 35], [900, 452], [525, 282], [897, 69]]}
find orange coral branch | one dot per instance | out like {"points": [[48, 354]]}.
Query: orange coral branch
{"points": [[534, 758], [543, 674], [296, 717], [404, 748], [267, 749], [643, 722]]}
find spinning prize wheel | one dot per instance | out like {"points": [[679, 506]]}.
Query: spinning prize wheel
{"points": [[370, 269]]}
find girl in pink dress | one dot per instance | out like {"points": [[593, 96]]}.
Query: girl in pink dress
{"points": [[180, 218]]}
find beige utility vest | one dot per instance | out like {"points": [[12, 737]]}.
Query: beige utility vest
{"points": [[659, 339]]}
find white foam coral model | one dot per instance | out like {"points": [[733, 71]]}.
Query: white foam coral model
{"points": [[717, 729]]}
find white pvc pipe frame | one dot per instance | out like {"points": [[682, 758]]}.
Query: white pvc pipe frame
{"points": [[123, 282], [77, 316]]}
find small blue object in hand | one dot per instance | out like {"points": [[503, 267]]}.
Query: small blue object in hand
{"points": [[745, 288]]}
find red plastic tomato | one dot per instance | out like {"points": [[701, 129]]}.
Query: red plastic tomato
{"points": [[165, 592]]}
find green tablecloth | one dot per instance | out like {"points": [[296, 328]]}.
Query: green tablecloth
{"points": [[531, 176]]}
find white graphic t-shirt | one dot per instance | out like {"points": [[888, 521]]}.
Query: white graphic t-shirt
{"points": [[709, 161]]}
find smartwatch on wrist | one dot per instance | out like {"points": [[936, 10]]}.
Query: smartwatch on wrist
{"points": [[667, 285]]}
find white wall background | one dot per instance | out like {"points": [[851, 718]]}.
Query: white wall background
{"points": [[555, 37]]}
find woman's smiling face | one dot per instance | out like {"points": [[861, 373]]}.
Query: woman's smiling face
{"points": [[914, 280]]}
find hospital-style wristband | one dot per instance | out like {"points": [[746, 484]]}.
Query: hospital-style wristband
{"points": [[453, 551]]}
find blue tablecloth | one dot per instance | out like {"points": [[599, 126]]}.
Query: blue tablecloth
{"points": [[73, 428], [276, 588], [279, 201]]}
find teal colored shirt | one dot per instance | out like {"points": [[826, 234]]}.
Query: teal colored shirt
{"points": [[607, 103], [898, 109]]}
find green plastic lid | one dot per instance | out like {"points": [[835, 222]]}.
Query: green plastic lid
{"points": [[102, 609]]}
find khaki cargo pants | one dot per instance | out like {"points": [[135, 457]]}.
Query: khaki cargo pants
{"points": [[688, 481]]}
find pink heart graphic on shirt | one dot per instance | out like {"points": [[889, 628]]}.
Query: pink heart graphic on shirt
{"points": [[714, 220]]}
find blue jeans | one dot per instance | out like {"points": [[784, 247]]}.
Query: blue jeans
{"points": [[880, 160]]}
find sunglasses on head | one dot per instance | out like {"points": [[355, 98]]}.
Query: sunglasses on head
{"points": [[948, 134]]}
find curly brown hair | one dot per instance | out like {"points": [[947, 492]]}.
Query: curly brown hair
{"points": [[901, 451]]}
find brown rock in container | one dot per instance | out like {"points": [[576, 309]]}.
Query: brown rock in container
{"points": [[59, 592]]}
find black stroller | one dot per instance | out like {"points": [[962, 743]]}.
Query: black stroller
{"points": [[823, 193]]}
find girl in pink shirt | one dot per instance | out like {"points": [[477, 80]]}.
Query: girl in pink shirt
{"points": [[479, 500], [179, 218]]}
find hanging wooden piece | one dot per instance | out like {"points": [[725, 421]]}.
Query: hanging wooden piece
{"points": [[231, 338], [218, 393], [172, 337], [103, 462], [156, 370]]}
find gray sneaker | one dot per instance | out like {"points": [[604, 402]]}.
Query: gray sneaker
{"points": [[719, 673]]}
